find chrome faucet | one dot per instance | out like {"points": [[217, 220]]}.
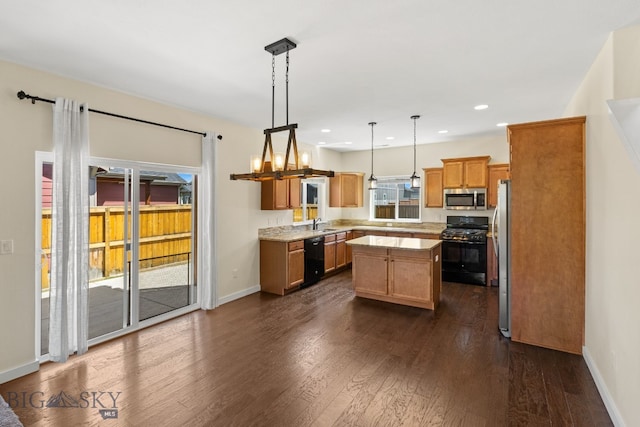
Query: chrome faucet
{"points": [[315, 223]]}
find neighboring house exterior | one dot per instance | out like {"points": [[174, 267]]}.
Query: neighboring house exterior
{"points": [[106, 188]]}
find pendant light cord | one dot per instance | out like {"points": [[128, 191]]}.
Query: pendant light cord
{"points": [[273, 89], [372, 124], [414, 142]]}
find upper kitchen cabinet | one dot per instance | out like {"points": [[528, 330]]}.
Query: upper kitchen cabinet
{"points": [[547, 220], [345, 190], [497, 173], [467, 172], [433, 187], [280, 194]]}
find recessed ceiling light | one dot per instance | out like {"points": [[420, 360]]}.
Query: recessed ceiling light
{"points": [[503, 124], [325, 130], [348, 142], [390, 138], [443, 131], [322, 143], [481, 107]]}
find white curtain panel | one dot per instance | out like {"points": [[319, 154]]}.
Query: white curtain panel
{"points": [[207, 224], [68, 322]]}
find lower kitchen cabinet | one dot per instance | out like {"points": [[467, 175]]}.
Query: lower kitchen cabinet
{"points": [[281, 266], [349, 237], [341, 250], [426, 236], [329, 253]]}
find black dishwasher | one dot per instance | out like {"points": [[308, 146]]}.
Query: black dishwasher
{"points": [[313, 260]]}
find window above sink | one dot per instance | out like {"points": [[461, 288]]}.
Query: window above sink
{"points": [[313, 201]]}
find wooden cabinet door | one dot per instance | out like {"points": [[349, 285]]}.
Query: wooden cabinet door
{"points": [[410, 278], [433, 187], [370, 271], [329, 253], [341, 253], [345, 190], [296, 268], [275, 195], [475, 173], [453, 174], [348, 250], [465, 172], [496, 173], [295, 193], [341, 249], [349, 190]]}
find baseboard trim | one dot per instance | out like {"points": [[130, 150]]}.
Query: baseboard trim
{"points": [[237, 295], [18, 372], [609, 403]]}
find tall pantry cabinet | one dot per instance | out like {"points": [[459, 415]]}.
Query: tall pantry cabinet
{"points": [[548, 233]]}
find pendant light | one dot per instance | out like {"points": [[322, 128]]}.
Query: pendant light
{"points": [[415, 179], [373, 181], [279, 166]]}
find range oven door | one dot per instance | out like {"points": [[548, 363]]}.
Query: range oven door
{"points": [[464, 262]]}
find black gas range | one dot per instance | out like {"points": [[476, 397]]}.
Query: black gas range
{"points": [[464, 249]]}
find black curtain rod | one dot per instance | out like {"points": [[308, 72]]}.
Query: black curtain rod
{"points": [[23, 95]]}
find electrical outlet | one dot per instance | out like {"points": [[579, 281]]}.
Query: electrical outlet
{"points": [[6, 247]]}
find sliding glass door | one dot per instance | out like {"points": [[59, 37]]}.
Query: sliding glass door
{"points": [[142, 247]]}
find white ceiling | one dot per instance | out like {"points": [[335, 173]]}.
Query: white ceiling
{"points": [[357, 60]]}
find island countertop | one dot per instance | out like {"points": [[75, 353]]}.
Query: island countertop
{"points": [[408, 243]]}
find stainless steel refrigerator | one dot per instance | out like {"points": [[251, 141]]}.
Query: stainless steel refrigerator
{"points": [[501, 245]]}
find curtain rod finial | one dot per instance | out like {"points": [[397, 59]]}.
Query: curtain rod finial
{"points": [[22, 95]]}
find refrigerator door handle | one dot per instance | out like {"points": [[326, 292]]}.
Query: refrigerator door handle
{"points": [[493, 231]]}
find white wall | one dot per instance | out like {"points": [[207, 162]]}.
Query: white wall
{"points": [[612, 346]]}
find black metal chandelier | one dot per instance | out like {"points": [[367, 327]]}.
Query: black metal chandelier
{"points": [[278, 167]]}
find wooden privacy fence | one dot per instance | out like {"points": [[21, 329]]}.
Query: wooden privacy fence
{"points": [[165, 237]]}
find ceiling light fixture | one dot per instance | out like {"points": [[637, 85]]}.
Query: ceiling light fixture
{"points": [[279, 167], [373, 181], [443, 131], [481, 107], [415, 179]]}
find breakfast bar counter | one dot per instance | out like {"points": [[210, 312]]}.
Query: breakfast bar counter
{"points": [[397, 269]]}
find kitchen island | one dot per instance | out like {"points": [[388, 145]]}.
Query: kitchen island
{"points": [[398, 270]]}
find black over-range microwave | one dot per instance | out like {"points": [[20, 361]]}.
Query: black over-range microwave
{"points": [[465, 198]]}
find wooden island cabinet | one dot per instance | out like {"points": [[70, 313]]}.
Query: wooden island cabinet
{"points": [[398, 270]]}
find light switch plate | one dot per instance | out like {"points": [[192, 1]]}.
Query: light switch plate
{"points": [[6, 247]]}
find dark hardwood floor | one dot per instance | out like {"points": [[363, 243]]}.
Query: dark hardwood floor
{"points": [[318, 357]]}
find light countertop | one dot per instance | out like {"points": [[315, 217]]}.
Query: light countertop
{"points": [[409, 243], [293, 235]]}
